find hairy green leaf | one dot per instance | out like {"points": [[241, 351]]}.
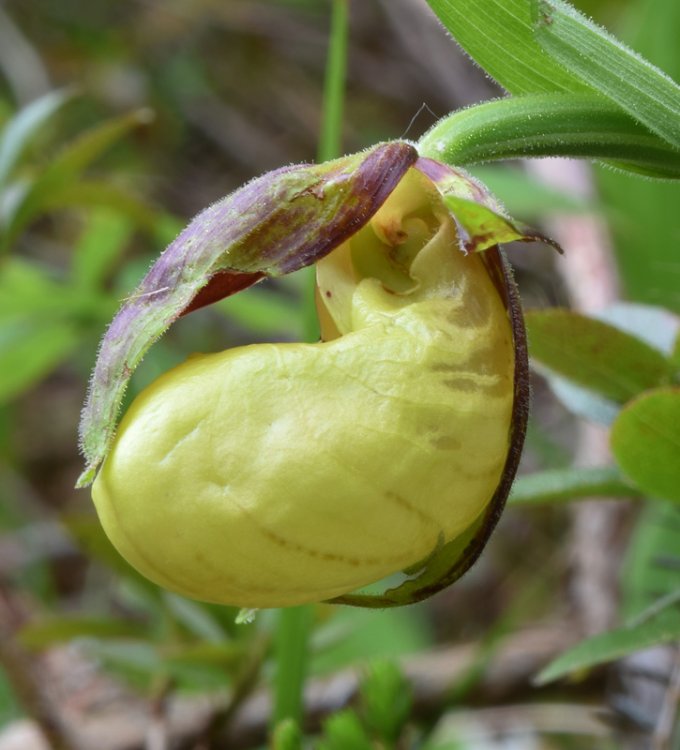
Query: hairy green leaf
{"points": [[499, 36], [576, 125], [603, 62]]}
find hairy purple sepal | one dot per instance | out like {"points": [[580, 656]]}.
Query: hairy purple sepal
{"points": [[276, 224]]}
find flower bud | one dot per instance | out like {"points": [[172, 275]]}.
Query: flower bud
{"points": [[277, 474]]}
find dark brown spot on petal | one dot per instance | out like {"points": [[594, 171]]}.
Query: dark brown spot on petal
{"points": [[445, 443]]}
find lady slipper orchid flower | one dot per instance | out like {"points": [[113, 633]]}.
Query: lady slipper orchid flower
{"points": [[276, 474]]}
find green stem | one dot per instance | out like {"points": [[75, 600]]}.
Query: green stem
{"points": [[330, 138], [535, 125], [291, 645], [294, 623]]}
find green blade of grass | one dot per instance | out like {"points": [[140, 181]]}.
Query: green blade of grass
{"points": [[330, 138], [24, 126], [615, 644]]}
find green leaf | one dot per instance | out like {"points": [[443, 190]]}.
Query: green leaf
{"points": [[29, 297], [47, 632], [575, 125], [499, 36], [658, 607], [26, 289], [604, 63], [195, 617], [653, 558], [356, 636], [385, 700], [29, 351], [99, 246], [85, 193], [654, 325], [595, 355], [81, 152], [675, 356], [344, 731], [67, 167], [615, 644], [287, 736], [294, 625], [647, 229], [264, 312], [565, 485], [138, 660], [10, 710], [24, 126], [205, 653], [645, 440], [580, 401]]}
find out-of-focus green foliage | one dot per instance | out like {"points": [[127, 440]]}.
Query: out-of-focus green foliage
{"points": [[646, 442], [596, 355], [646, 225], [235, 88]]}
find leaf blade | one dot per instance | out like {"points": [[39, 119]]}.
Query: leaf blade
{"points": [[499, 36], [29, 351], [645, 440], [565, 485], [24, 126], [595, 355], [536, 125], [605, 64], [614, 644]]}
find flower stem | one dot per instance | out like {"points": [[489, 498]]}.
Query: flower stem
{"points": [[294, 623], [290, 644]]}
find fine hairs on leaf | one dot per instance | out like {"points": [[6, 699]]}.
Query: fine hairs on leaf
{"points": [[549, 49], [577, 125], [603, 62]]}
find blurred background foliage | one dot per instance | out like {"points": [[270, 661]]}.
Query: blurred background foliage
{"points": [[118, 122]]}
